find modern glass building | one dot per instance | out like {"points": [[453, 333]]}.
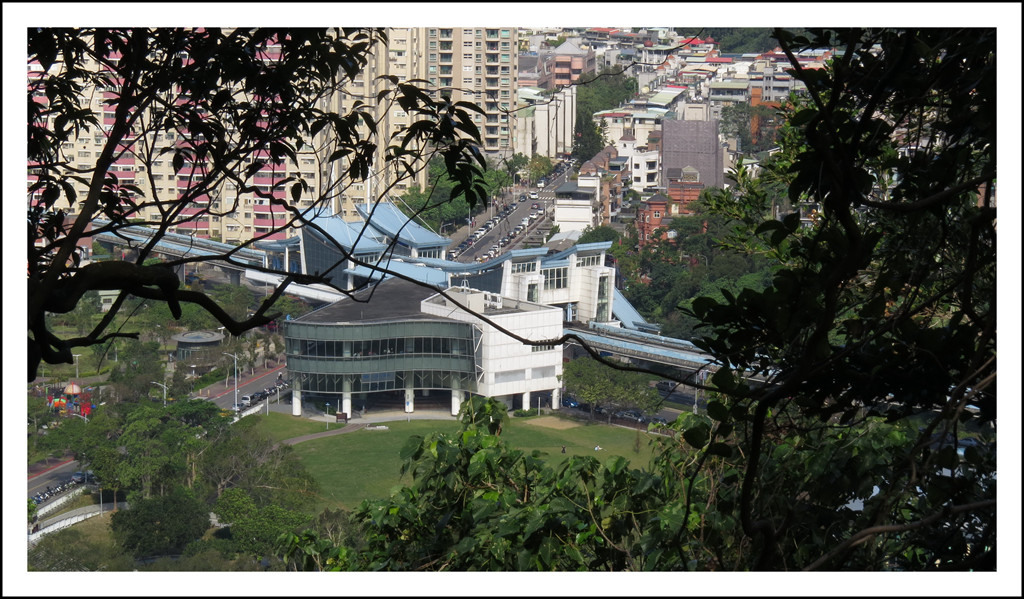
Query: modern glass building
{"points": [[399, 343]]}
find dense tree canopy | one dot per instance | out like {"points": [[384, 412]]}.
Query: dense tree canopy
{"points": [[597, 384], [899, 163], [607, 89], [161, 525]]}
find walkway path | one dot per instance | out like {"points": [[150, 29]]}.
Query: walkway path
{"points": [[369, 420]]}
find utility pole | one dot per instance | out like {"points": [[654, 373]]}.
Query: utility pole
{"points": [[233, 356]]}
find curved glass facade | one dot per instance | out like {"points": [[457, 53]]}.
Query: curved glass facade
{"points": [[333, 358]]}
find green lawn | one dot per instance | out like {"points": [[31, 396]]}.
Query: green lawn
{"points": [[365, 464], [279, 426]]}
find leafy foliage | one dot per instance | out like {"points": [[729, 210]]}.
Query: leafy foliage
{"points": [[598, 384], [899, 163], [255, 529], [160, 525], [598, 234], [607, 89], [739, 40]]}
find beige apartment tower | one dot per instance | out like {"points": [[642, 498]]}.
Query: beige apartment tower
{"points": [[470, 64], [478, 64]]}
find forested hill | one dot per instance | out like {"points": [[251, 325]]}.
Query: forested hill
{"points": [[737, 40]]}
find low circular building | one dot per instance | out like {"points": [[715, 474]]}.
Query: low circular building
{"points": [[196, 341], [383, 346]]}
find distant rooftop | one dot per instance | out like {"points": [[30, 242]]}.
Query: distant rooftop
{"points": [[392, 299]]}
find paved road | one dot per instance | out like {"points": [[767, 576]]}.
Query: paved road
{"points": [[248, 383], [39, 479]]}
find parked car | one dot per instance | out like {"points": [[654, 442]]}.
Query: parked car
{"points": [[568, 402], [245, 401], [78, 477]]}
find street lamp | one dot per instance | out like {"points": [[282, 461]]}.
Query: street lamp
{"points": [[165, 391], [236, 378], [76, 364]]}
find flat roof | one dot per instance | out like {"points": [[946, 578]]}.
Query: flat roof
{"points": [[389, 300]]}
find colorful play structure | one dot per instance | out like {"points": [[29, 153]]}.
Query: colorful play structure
{"points": [[73, 400]]}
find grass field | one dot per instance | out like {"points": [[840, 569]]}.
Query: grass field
{"points": [[365, 464], [279, 426]]}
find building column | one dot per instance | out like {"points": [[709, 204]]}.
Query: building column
{"points": [[410, 396], [456, 401], [296, 400], [556, 399], [346, 397], [526, 400]]}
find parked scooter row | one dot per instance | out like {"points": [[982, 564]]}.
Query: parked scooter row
{"points": [[51, 492]]}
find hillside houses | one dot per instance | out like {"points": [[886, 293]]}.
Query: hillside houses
{"points": [[665, 143]]}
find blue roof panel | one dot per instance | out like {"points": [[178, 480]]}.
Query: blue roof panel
{"points": [[356, 237], [666, 352], [624, 311], [389, 220]]}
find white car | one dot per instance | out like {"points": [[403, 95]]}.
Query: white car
{"points": [[534, 195]]}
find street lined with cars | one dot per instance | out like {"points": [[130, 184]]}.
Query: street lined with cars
{"points": [[627, 417]]}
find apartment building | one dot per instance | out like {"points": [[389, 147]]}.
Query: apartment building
{"points": [[477, 65], [544, 123], [639, 123], [651, 214], [235, 219], [467, 64]]}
